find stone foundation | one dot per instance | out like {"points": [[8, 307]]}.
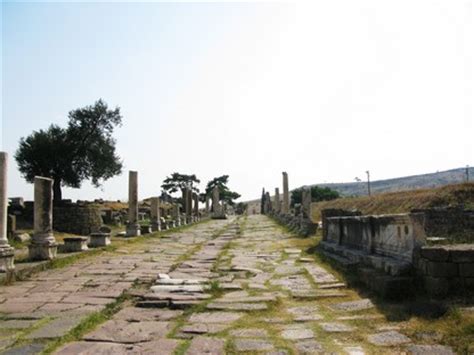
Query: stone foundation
{"points": [[75, 244], [446, 269], [7, 258], [42, 251]]}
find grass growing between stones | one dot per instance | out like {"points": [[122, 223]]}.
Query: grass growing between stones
{"points": [[88, 324]]}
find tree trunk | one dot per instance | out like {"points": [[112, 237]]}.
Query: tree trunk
{"points": [[57, 193]]}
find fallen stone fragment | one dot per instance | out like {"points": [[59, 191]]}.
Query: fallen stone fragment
{"points": [[354, 350], [177, 288], [390, 338], [331, 286], [252, 345]]}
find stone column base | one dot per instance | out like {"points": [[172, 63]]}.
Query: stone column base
{"points": [[155, 226], [42, 251], [99, 240], [75, 244], [133, 230], [7, 258]]}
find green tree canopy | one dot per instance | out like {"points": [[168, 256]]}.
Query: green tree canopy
{"points": [[178, 182], [317, 194], [224, 193], [84, 150]]}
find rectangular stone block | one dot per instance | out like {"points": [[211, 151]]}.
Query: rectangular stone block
{"points": [[435, 253], [442, 269], [466, 269], [98, 240], [75, 244], [462, 253]]}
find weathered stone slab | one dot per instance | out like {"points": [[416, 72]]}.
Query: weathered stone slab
{"points": [[117, 331], [430, 350], [249, 333], [297, 334], [215, 317], [237, 306], [17, 324], [56, 328], [313, 295], [203, 328], [136, 314], [34, 348], [390, 338], [351, 306], [206, 345], [335, 327], [252, 345], [308, 347], [93, 348]]}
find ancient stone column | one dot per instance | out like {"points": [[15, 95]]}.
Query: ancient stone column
{"points": [[6, 251], [43, 246], [133, 228], [189, 205], [177, 214], [306, 201], [277, 200], [155, 214], [285, 208], [207, 204], [196, 205], [215, 200]]}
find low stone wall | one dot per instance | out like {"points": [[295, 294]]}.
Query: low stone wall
{"points": [[453, 223], [446, 269], [77, 219], [387, 235]]}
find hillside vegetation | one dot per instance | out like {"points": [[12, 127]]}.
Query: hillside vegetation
{"points": [[402, 201]]}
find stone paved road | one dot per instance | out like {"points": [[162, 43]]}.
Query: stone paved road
{"points": [[246, 289]]}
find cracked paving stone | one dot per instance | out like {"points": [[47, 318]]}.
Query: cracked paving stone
{"points": [[17, 324], [136, 314], [165, 346], [390, 338], [202, 328], [34, 348], [56, 328], [118, 331]]}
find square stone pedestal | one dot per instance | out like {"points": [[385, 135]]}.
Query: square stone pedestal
{"points": [[133, 230], [42, 251], [6, 259], [172, 224], [97, 240], [219, 216], [75, 244], [145, 229], [155, 226]]}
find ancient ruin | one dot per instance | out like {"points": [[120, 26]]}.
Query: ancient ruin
{"points": [[6, 251], [133, 228]]}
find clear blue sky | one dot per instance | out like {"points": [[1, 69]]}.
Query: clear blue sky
{"points": [[323, 90]]}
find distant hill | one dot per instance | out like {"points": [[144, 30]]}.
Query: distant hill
{"points": [[424, 181]]}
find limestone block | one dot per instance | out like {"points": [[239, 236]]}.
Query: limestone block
{"points": [[442, 269], [75, 244], [466, 269], [436, 253], [99, 240]]}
